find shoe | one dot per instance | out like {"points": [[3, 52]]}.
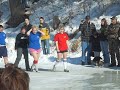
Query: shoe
{"points": [[36, 68], [111, 65], [65, 70], [54, 68], [89, 63], [83, 63], [118, 65], [28, 69], [33, 67]]}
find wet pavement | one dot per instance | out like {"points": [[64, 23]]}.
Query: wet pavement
{"points": [[79, 78]]}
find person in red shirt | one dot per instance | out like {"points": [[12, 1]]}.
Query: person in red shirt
{"points": [[61, 41]]}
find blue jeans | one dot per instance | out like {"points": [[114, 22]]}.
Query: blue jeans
{"points": [[104, 48], [86, 48], [45, 46]]}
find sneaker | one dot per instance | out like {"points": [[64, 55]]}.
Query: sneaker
{"points": [[89, 63], [83, 63], [118, 65], [36, 68], [28, 69], [33, 67], [65, 70], [54, 68]]}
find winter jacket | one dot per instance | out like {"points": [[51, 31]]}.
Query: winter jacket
{"points": [[113, 31], [21, 41], [103, 33], [87, 29], [45, 28], [95, 43], [119, 36], [2, 38], [28, 27]]}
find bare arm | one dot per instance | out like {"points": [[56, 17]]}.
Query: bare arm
{"points": [[41, 32], [67, 44], [57, 46]]}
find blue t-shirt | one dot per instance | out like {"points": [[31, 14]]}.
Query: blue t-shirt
{"points": [[2, 38], [34, 40]]}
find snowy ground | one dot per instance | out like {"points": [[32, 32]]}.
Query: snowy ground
{"points": [[79, 78]]}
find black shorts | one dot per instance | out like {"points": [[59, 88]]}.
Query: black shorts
{"points": [[3, 51], [63, 51]]}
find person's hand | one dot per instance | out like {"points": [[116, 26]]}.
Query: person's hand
{"points": [[58, 50], [118, 38]]}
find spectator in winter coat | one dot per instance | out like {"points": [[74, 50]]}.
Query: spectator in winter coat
{"points": [[21, 45], [87, 30], [45, 38], [61, 41], [104, 41], [3, 49], [95, 40], [34, 45], [113, 31], [27, 24]]}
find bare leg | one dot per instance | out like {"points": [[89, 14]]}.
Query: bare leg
{"points": [[5, 60], [65, 61], [59, 57], [35, 62]]}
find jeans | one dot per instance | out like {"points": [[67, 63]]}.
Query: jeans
{"points": [[86, 48], [45, 46], [104, 49], [21, 51]]}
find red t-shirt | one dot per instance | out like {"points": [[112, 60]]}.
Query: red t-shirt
{"points": [[62, 41]]}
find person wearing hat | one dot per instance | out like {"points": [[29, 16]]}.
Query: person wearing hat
{"points": [[113, 30], [87, 30]]}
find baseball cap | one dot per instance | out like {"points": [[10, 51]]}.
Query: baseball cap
{"points": [[114, 17]]}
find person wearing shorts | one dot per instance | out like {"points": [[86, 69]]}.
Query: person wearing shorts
{"points": [[34, 45], [3, 49], [61, 41]]}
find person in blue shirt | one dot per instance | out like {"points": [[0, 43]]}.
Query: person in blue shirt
{"points": [[34, 45], [3, 49]]}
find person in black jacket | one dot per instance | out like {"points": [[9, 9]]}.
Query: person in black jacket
{"points": [[95, 40], [21, 45], [27, 24]]}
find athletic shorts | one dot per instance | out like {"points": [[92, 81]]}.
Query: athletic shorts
{"points": [[3, 51], [31, 50], [63, 51]]}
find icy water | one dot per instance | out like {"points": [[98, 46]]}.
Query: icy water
{"points": [[79, 78]]}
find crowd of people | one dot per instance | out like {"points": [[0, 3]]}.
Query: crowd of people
{"points": [[33, 40], [107, 40]]}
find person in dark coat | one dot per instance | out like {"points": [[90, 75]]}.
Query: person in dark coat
{"points": [[113, 31], [27, 24], [21, 45], [104, 41], [95, 40], [87, 29]]}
